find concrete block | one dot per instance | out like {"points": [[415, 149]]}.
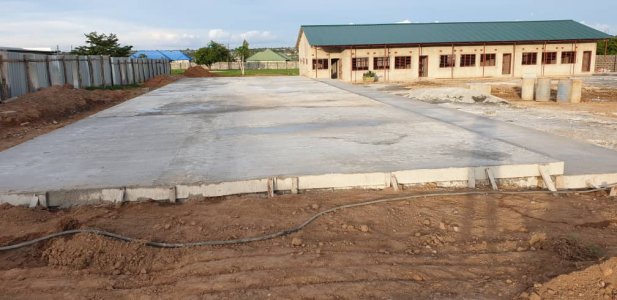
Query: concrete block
{"points": [[294, 185], [172, 194], [34, 201], [585, 181], [223, 188], [548, 181], [564, 90], [527, 89], [543, 89], [491, 178], [471, 180], [394, 182], [339, 181], [577, 90]]}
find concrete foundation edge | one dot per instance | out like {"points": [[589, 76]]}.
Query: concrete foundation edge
{"points": [[522, 176]]}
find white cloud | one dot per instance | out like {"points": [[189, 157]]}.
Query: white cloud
{"points": [[218, 34], [604, 28], [406, 21], [67, 32], [257, 35]]}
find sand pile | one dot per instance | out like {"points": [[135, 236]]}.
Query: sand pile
{"points": [[198, 71]]}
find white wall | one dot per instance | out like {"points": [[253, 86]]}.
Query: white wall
{"points": [[308, 53]]}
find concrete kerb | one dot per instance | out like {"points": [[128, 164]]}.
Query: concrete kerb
{"points": [[521, 176]]}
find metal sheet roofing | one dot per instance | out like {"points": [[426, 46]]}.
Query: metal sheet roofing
{"points": [[436, 33], [162, 54], [268, 55]]}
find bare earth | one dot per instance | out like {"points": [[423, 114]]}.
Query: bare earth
{"points": [[475, 247], [46, 110]]}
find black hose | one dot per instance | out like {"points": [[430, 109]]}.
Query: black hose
{"points": [[282, 232]]}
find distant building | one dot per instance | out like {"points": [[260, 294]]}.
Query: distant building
{"points": [[172, 55], [407, 52], [179, 60], [268, 56], [29, 50]]}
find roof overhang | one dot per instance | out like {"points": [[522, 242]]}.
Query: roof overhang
{"points": [[408, 45]]}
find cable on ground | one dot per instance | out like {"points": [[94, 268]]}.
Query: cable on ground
{"points": [[285, 231]]}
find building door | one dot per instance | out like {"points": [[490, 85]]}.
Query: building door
{"points": [[334, 68], [587, 61], [423, 66], [506, 65]]}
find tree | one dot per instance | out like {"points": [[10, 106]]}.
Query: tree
{"points": [[214, 52], [242, 53], [102, 44], [612, 47]]}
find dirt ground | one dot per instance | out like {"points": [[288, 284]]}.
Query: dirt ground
{"points": [[40, 112], [474, 247]]}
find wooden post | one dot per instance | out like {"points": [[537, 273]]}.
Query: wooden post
{"points": [[4, 91], [28, 75]]}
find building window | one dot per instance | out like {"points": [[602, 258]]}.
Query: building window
{"points": [[468, 60], [488, 60], [549, 58], [568, 57], [446, 61], [381, 63], [320, 64], [402, 62], [530, 58], [359, 64]]}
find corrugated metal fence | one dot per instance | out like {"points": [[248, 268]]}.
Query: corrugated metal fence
{"points": [[21, 73]]}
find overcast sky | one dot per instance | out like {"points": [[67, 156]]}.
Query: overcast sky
{"points": [[185, 24]]}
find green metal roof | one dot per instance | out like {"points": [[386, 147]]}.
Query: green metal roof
{"points": [[267, 55], [437, 33]]}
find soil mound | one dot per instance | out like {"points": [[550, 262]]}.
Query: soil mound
{"points": [[198, 71], [102, 254], [595, 282], [159, 81], [55, 102]]}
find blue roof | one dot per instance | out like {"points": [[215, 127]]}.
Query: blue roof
{"points": [[162, 54]]}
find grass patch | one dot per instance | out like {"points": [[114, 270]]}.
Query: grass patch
{"points": [[114, 87], [263, 72], [177, 71]]}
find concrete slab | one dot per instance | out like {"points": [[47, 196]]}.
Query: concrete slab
{"points": [[210, 134], [580, 158]]}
